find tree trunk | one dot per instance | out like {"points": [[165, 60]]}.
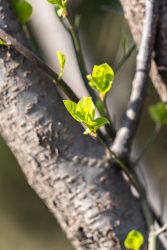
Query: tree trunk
{"points": [[134, 12], [71, 172]]}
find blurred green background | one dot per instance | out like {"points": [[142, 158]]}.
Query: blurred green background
{"points": [[25, 222]]}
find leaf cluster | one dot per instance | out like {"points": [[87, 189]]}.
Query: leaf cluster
{"points": [[62, 6], [134, 240], [84, 112], [101, 78]]}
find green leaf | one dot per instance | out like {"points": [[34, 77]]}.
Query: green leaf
{"points": [[59, 2], [125, 44], [14, 2], [83, 111], [134, 240], [100, 122], [61, 59], [101, 78], [23, 11], [72, 109], [158, 113], [2, 42], [88, 108]]}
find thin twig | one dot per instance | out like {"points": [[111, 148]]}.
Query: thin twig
{"points": [[38, 62], [125, 134], [80, 59], [150, 141], [124, 59], [161, 230], [161, 195]]}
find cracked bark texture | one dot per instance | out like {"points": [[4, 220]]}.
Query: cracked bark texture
{"points": [[71, 172], [134, 12]]}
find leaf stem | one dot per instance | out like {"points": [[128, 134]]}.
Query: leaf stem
{"points": [[80, 59], [149, 143], [124, 59], [109, 127]]}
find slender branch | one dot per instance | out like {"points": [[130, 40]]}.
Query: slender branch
{"points": [[150, 141], [161, 230], [37, 61], [161, 195], [125, 134], [110, 129], [124, 59], [80, 59]]}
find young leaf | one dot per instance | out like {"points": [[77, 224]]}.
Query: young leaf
{"points": [[125, 44], [23, 11], [2, 42], [83, 111], [158, 113], [101, 78], [134, 240], [61, 59], [59, 2], [72, 109], [89, 108], [100, 122]]}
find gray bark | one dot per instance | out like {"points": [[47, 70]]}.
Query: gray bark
{"points": [[134, 12], [71, 172]]}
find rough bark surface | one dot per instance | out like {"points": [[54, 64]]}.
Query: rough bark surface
{"points": [[134, 12], [68, 170]]}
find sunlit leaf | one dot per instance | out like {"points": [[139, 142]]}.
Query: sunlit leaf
{"points": [[23, 11], [83, 111], [100, 122], [89, 108], [61, 59], [2, 42], [134, 240], [72, 109], [101, 78], [158, 113], [59, 2]]}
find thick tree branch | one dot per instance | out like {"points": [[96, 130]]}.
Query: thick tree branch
{"points": [[68, 170], [39, 63], [124, 137], [134, 11]]}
